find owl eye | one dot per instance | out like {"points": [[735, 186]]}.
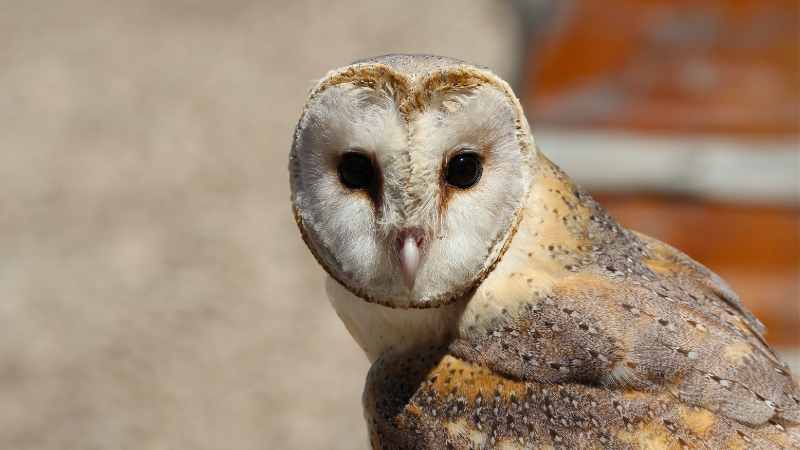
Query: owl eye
{"points": [[463, 170], [356, 171]]}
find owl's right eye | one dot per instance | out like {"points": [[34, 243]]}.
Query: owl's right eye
{"points": [[356, 170]]}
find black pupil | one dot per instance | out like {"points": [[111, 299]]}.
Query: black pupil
{"points": [[463, 170], [355, 170]]}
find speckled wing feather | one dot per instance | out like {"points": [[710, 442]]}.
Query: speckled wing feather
{"points": [[665, 324], [437, 401]]}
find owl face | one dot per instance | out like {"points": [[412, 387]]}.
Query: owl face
{"points": [[407, 187]]}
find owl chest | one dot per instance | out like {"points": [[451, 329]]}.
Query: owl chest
{"points": [[379, 329]]}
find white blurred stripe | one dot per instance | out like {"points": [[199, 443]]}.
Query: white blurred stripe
{"points": [[757, 170]]}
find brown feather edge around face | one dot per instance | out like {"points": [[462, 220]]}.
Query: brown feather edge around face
{"points": [[458, 76]]}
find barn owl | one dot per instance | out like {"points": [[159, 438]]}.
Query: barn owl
{"points": [[500, 306]]}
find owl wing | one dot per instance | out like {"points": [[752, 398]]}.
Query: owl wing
{"points": [[675, 328], [684, 266], [433, 400]]}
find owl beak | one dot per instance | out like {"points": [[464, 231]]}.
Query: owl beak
{"points": [[409, 242]]}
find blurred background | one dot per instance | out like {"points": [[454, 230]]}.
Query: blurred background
{"points": [[154, 292]]}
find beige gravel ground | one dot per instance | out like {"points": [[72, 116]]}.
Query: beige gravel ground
{"points": [[154, 292]]}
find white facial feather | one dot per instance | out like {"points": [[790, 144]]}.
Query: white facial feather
{"points": [[344, 118], [475, 219], [353, 235]]}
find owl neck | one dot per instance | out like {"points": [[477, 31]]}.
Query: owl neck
{"points": [[562, 232], [379, 329]]}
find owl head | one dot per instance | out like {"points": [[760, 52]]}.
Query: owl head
{"points": [[408, 176]]}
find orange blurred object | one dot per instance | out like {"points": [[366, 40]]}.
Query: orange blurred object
{"points": [[687, 66]]}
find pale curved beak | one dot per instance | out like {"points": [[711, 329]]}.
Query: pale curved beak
{"points": [[409, 248]]}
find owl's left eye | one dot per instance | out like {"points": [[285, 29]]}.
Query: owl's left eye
{"points": [[463, 170], [356, 171]]}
